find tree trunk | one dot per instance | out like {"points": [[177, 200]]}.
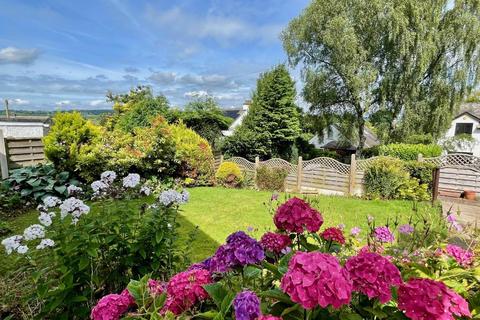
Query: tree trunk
{"points": [[361, 137]]}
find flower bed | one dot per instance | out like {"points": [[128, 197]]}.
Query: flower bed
{"points": [[302, 272]]}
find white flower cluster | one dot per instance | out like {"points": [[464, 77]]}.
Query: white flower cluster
{"points": [[172, 196], [108, 177], [74, 190], [99, 186], [131, 180], [145, 190], [51, 202], [45, 243], [13, 243], [35, 231], [75, 207], [45, 218]]}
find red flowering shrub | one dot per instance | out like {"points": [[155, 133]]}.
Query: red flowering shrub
{"points": [[333, 234], [296, 215], [428, 299], [373, 275], [315, 278], [275, 242]]}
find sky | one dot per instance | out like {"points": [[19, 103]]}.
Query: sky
{"points": [[58, 55]]}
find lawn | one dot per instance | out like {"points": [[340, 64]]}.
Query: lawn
{"points": [[218, 212]]}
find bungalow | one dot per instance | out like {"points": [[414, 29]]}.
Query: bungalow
{"points": [[466, 122]]}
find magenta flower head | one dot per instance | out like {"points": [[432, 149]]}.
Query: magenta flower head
{"points": [[156, 287], [315, 278], [462, 256], [406, 229], [185, 289], [247, 306], [275, 242], [373, 275], [239, 251], [268, 317], [110, 307], [383, 234], [428, 299], [333, 234], [296, 215]]}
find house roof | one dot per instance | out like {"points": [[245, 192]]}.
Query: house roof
{"points": [[39, 119], [473, 109], [232, 113], [371, 140]]}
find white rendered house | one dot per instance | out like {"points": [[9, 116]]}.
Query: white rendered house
{"points": [[467, 122]]}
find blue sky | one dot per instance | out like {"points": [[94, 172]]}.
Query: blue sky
{"points": [[67, 54]]}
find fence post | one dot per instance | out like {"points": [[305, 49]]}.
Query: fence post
{"points": [[221, 159], [435, 184], [3, 156], [353, 173], [257, 164], [299, 174], [420, 157]]}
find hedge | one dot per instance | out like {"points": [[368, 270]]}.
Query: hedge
{"points": [[406, 151]]}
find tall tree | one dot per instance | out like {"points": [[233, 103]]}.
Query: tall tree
{"points": [[414, 59], [273, 118]]}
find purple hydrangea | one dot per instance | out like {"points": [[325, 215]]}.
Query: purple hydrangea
{"points": [[247, 306], [383, 234], [239, 251], [406, 229]]}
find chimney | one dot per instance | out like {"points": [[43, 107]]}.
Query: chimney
{"points": [[7, 112]]}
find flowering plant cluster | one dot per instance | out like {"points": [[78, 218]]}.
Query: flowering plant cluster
{"points": [[296, 273], [110, 187]]}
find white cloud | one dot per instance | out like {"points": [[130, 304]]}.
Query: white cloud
{"points": [[18, 102], [63, 103], [196, 94], [18, 55], [95, 103], [162, 77]]}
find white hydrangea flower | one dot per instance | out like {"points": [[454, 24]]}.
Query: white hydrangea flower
{"points": [[22, 249], [172, 196], [98, 186], [51, 202], [35, 231], [108, 177], [145, 190], [131, 181], [12, 243], [72, 189], [45, 219], [45, 243], [75, 207]]}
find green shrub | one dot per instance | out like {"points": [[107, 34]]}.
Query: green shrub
{"points": [[419, 139], [229, 175], [423, 171], [272, 179], [383, 177], [370, 152], [11, 203], [36, 182], [409, 151], [70, 137], [413, 190], [193, 155]]}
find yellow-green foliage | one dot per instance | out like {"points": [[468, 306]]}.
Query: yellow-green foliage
{"points": [[71, 140], [229, 174], [193, 154]]}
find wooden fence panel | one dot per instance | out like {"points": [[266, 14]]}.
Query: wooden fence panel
{"points": [[23, 152], [457, 179]]}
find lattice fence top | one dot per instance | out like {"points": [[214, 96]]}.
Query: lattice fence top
{"points": [[243, 163], [325, 162], [362, 164], [279, 163], [457, 160]]}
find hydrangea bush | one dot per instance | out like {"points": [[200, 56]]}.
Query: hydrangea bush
{"points": [[300, 272]]}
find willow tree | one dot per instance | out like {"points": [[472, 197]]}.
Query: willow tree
{"points": [[413, 60]]}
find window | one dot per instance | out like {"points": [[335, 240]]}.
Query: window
{"points": [[463, 128]]}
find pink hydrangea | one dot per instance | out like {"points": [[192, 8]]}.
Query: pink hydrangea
{"points": [[156, 287], [462, 256], [315, 278], [131, 300], [269, 317], [373, 275], [428, 299], [296, 215], [275, 242], [185, 289], [111, 307], [333, 234]]}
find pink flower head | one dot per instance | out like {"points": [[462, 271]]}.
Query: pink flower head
{"points": [[268, 317], [428, 299], [373, 275], [275, 242], [383, 234], [156, 287], [462, 256], [333, 234], [355, 231], [185, 289], [296, 215], [131, 300], [375, 249], [110, 307], [315, 278]]}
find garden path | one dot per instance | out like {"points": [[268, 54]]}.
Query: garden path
{"points": [[469, 210]]}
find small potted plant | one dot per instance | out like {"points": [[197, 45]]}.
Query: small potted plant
{"points": [[469, 194]]}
